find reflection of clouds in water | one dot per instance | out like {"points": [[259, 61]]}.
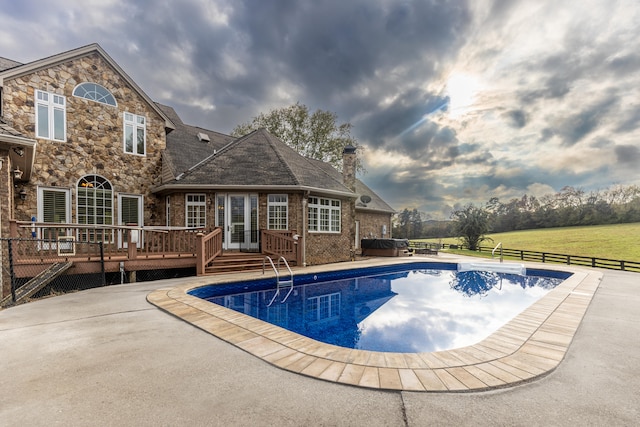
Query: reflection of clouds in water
{"points": [[428, 314]]}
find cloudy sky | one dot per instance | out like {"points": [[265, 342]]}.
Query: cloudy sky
{"points": [[455, 101]]}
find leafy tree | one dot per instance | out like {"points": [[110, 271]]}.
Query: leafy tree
{"points": [[408, 224], [316, 135], [471, 223]]}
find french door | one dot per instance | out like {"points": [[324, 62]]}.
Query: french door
{"points": [[238, 217]]}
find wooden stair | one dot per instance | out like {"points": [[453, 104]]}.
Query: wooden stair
{"points": [[231, 262], [34, 285]]}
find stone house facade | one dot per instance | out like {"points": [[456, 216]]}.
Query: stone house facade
{"points": [[81, 143]]}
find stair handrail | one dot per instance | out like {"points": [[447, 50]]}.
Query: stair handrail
{"points": [[278, 281], [499, 245], [290, 277]]}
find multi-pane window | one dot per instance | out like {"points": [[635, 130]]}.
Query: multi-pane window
{"points": [[135, 134], [196, 210], [94, 92], [95, 201], [277, 212], [323, 307], [51, 116], [324, 215]]}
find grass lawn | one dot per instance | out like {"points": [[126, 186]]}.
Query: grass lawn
{"points": [[618, 241]]}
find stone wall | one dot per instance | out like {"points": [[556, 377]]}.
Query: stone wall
{"points": [[95, 135]]}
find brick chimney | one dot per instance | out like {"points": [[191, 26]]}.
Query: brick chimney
{"points": [[349, 167]]}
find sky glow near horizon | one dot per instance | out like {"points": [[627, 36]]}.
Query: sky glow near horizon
{"points": [[454, 102]]}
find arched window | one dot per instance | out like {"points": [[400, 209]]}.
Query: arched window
{"points": [[94, 92], [95, 201]]}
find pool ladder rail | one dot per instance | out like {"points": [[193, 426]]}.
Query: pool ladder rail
{"points": [[280, 283]]}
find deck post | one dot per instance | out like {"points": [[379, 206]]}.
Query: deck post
{"points": [[132, 246], [199, 253], [13, 228]]}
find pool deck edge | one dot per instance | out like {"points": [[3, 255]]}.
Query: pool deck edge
{"points": [[530, 346]]}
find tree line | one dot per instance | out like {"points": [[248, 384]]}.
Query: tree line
{"points": [[568, 207]]}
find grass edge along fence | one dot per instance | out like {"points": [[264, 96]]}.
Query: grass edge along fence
{"points": [[535, 256]]}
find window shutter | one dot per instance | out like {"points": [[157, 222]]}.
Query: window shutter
{"points": [[54, 204], [129, 210]]}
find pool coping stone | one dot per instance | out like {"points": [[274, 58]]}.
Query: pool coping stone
{"points": [[528, 347]]}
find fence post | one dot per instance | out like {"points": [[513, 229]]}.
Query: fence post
{"points": [[11, 272], [622, 265], [104, 279]]}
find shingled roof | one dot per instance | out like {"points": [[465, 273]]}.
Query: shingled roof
{"points": [[7, 130], [259, 160], [256, 161], [5, 64], [375, 204], [185, 148]]}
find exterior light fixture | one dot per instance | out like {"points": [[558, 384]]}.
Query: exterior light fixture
{"points": [[17, 174], [23, 194]]}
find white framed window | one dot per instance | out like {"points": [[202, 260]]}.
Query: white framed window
{"points": [[94, 201], [196, 206], [54, 206], [167, 205], [277, 212], [130, 209], [323, 307], [94, 206], [130, 212], [51, 116], [324, 215], [135, 134], [94, 92]]}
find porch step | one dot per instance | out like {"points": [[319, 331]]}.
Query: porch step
{"points": [[235, 262], [37, 283]]}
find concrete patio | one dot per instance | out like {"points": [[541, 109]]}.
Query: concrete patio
{"points": [[108, 357]]}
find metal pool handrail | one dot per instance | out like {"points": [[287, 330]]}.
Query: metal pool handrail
{"points": [[279, 283], [499, 245]]}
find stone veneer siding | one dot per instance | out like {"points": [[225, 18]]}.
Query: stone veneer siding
{"points": [[94, 135]]}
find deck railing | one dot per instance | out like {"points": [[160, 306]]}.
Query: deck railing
{"points": [[208, 247], [285, 243], [130, 242]]}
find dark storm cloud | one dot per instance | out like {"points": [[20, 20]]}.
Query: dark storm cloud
{"points": [[575, 127], [518, 118], [628, 154], [547, 73], [629, 119]]}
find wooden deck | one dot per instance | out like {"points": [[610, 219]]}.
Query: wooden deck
{"points": [[111, 249]]}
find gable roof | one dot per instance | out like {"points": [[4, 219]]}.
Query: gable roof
{"points": [[376, 204], [258, 161], [30, 67], [185, 148], [6, 63]]}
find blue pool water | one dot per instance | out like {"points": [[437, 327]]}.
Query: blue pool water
{"points": [[418, 307]]}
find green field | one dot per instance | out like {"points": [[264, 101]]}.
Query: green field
{"points": [[618, 241]]}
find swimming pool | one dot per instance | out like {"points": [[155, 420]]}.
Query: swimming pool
{"points": [[417, 307]]}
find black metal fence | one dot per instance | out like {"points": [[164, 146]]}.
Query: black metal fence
{"points": [[546, 257], [38, 268]]}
